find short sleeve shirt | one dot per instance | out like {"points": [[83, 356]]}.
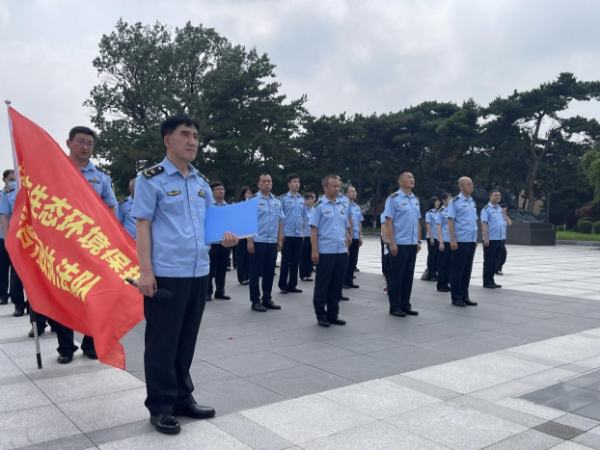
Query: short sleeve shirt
{"points": [[357, 218], [442, 221], [405, 212], [294, 209], [270, 213], [101, 183], [492, 215], [430, 218], [331, 221], [177, 207], [125, 217], [464, 213]]}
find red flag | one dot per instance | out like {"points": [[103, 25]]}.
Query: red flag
{"points": [[69, 249]]}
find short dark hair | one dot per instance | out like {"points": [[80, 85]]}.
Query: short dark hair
{"points": [[171, 123], [291, 177], [307, 195], [403, 172], [328, 177], [495, 190], [216, 184], [243, 191], [7, 172], [264, 174], [348, 187], [444, 196], [84, 130], [432, 201]]}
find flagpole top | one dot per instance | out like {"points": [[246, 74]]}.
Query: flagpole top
{"points": [[8, 102]]}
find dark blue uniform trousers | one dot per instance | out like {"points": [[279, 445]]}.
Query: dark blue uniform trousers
{"points": [[290, 260], [400, 274], [460, 274], [328, 284], [262, 264]]}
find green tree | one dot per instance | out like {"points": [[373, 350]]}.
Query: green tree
{"points": [[591, 167]]}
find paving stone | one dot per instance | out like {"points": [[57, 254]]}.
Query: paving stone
{"points": [[570, 445], [250, 433], [542, 411], [592, 411], [360, 368], [22, 395], [559, 430], [578, 398], [518, 417], [222, 349], [364, 343], [76, 442], [577, 421], [307, 418], [373, 436], [425, 388], [412, 358], [455, 427], [548, 393], [313, 352], [254, 363], [511, 368], [528, 440]]}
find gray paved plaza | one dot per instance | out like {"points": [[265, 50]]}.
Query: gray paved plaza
{"points": [[458, 378]]}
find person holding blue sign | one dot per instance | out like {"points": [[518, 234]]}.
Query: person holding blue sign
{"points": [[264, 246], [219, 255], [170, 206]]}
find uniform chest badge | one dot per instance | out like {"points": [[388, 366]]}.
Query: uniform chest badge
{"points": [[261, 204], [326, 212], [342, 212], [173, 193], [276, 204], [417, 203], [464, 206], [94, 180], [290, 203], [201, 193], [404, 204]]}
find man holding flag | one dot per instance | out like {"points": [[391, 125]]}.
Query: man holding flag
{"points": [[81, 147], [170, 205]]}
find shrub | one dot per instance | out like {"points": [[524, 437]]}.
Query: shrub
{"points": [[585, 227], [597, 227], [576, 228], [560, 228]]}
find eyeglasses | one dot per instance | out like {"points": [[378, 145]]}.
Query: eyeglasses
{"points": [[84, 143]]}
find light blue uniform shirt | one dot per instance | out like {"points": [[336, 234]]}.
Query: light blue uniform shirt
{"points": [[270, 212], [331, 220], [101, 183], [504, 226], [345, 202], [307, 222], [464, 213], [430, 218], [176, 206], [442, 221], [357, 218], [8, 202], [492, 215], [125, 217], [405, 212], [294, 209]]}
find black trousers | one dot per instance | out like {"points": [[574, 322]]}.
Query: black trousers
{"points": [[219, 261], [306, 265], [171, 332], [444, 265], [66, 345], [432, 259], [501, 257], [328, 284], [401, 272], [352, 261], [490, 255], [262, 264], [290, 260], [4, 270], [462, 265], [16, 292], [243, 261], [383, 259]]}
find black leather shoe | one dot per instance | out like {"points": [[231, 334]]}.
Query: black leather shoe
{"points": [[307, 279], [343, 297], [443, 289], [469, 302], [165, 423], [354, 286], [40, 331], [194, 411], [209, 299], [64, 359], [497, 286], [345, 286], [410, 312], [337, 321], [271, 305], [295, 290], [245, 283], [222, 297], [258, 307], [357, 270], [323, 323], [283, 291], [3, 301], [489, 286], [91, 353], [398, 313], [18, 312], [458, 303]]}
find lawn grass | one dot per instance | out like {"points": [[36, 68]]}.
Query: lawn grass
{"points": [[573, 236]]}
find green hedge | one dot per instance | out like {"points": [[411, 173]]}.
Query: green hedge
{"points": [[597, 227], [576, 228], [585, 227], [560, 228]]}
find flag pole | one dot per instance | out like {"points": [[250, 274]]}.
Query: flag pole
{"points": [[32, 314]]}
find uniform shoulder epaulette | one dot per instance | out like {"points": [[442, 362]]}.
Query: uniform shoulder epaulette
{"points": [[486, 206], [318, 203], [102, 169], [455, 199], [8, 189], [394, 195], [205, 179], [154, 171]]}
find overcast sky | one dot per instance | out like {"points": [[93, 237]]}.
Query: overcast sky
{"points": [[347, 55]]}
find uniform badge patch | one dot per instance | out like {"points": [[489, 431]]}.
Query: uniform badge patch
{"points": [[261, 204], [404, 204], [94, 180], [342, 212], [173, 193], [201, 193], [326, 212]]}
